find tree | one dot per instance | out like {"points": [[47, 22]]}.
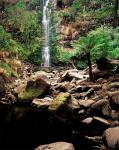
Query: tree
{"points": [[99, 43], [116, 6]]}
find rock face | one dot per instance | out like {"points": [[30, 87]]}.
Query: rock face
{"points": [[2, 86], [111, 136], [56, 146], [33, 89], [3, 79], [9, 1]]}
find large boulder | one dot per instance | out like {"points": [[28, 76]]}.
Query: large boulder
{"points": [[56, 146], [63, 107], [59, 101], [34, 88], [73, 74], [102, 106], [114, 100], [111, 136]]}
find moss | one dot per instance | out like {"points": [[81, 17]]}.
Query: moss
{"points": [[59, 101], [30, 94]]}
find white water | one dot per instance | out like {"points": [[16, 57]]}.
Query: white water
{"points": [[46, 28]]}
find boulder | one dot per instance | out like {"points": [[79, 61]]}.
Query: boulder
{"points": [[33, 89], [73, 103], [111, 136], [115, 115], [39, 74], [102, 106], [86, 103], [63, 107], [19, 87], [71, 74], [59, 101], [114, 100], [42, 103], [56, 146]]}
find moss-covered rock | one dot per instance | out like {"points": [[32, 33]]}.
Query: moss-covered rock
{"points": [[59, 101], [33, 89]]}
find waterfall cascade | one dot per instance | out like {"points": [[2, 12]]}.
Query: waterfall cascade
{"points": [[46, 28]]}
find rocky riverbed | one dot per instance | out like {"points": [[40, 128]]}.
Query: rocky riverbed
{"points": [[60, 107]]}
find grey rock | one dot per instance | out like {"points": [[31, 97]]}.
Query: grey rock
{"points": [[56, 146]]}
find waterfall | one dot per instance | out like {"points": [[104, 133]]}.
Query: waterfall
{"points": [[46, 28]]}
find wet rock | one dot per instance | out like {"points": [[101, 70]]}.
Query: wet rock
{"points": [[101, 74], [79, 89], [103, 106], [111, 136], [86, 103], [102, 120], [42, 103], [56, 146], [73, 104], [114, 100], [63, 107], [71, 74], [63, 87], [19, 88], [33, 89], [115, 124], [39, 74], [59, 102], [87, 120], [115, 114], [10, 98], [88, 93], [81, 112]]}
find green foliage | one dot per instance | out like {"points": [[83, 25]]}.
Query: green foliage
{"points": [[7, 43], [102, 42], [8, 70], [65, 56], [35, 57], [25, 27]]}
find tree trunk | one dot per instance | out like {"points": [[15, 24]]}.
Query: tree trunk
{"points": [[116, 8], [90, 67]]}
